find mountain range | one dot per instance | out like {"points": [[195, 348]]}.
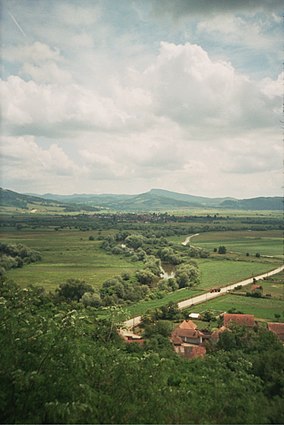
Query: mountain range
{"points": [[154, 200]]}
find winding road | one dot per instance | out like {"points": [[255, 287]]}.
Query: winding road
{"points": [[129, 324]]}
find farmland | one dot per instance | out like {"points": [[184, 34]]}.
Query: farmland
{"points": [[261, 308], [71, 248]]}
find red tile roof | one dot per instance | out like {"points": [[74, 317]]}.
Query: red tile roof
{"points": [[238, 319], [187, 324], [277, 328], [187, 329]]}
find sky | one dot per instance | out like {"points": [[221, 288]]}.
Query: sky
{"points": [[122, 96]]}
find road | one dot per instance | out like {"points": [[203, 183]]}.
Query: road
{"points": [[208, 295]]}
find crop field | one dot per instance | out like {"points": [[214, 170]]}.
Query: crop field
{"points": [[261, 308], [66, 254]]}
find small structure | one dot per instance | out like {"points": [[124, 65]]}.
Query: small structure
{"points": [[130, 337], [238, 319], [255, 287], [194, 315], [277, 329], [187, 340]]}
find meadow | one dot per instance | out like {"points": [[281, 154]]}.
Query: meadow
{"points": [[261, 308], [66, 254], [218, 273], [266, 243]]}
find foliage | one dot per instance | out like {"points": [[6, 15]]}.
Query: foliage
{"points": [[14, 256], [73, 289], [222, 249], [187, 275], [64, 365]]}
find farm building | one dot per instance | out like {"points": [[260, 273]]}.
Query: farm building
{"points": [[277, 329], [238, 319]]}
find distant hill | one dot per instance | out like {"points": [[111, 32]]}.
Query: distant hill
{"points": [[154, 200], [9, 198]]}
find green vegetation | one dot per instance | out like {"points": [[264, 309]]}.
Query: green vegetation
{"points": [[266, 243], [220, 273], [59, 363], [62, 360], [262, 308]]}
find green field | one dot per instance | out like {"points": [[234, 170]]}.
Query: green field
{"points": [[180, 295], [66, 254], [217, 273], [262, 308], [264, 242]]}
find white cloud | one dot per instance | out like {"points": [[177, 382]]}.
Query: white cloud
{"points": [[23, 159], [190, 88], [36, 53], [132, 115]]}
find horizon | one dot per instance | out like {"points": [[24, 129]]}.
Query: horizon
{"points": [[28, 193], [108, 97]]}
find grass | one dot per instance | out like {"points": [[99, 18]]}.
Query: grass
{"points": [[261, 308], [180, 295], [264, 242], [66, 254], [217, 273]]}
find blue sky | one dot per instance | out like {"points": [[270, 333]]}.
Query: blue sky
{"points": [[121, 96]]}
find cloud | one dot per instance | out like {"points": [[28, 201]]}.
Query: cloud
{"points": [[126, 101], [24, 160], [65, 108], [192, 89], [36, 52], [180, 8]]}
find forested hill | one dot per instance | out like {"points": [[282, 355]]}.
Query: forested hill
{"points": [[154, 200]]}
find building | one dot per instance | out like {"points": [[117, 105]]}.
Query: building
{"points": [[187, 340], [238, 319], [277, 329]]}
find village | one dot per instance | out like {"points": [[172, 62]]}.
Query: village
{"points": [[190, 342]]}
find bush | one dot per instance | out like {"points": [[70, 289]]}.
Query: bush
{"points": [[222, 250], [73, 289]]}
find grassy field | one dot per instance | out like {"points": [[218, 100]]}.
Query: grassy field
{"points": [[264, 242], [261, 308], [273, 285], [143, 306], [217, 273], [66, 254]]}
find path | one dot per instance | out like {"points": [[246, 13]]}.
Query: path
{"points": [[187, 240], [208, 295]]}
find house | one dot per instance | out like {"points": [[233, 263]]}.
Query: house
{"points": [[277, 329], [187, 340], [238, 319], [187, 332], [130, 337]]}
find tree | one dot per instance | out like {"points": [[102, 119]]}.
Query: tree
{"points": [[73, 289], [134, 241], [145, 277], [187, 275], [222, 249]]}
